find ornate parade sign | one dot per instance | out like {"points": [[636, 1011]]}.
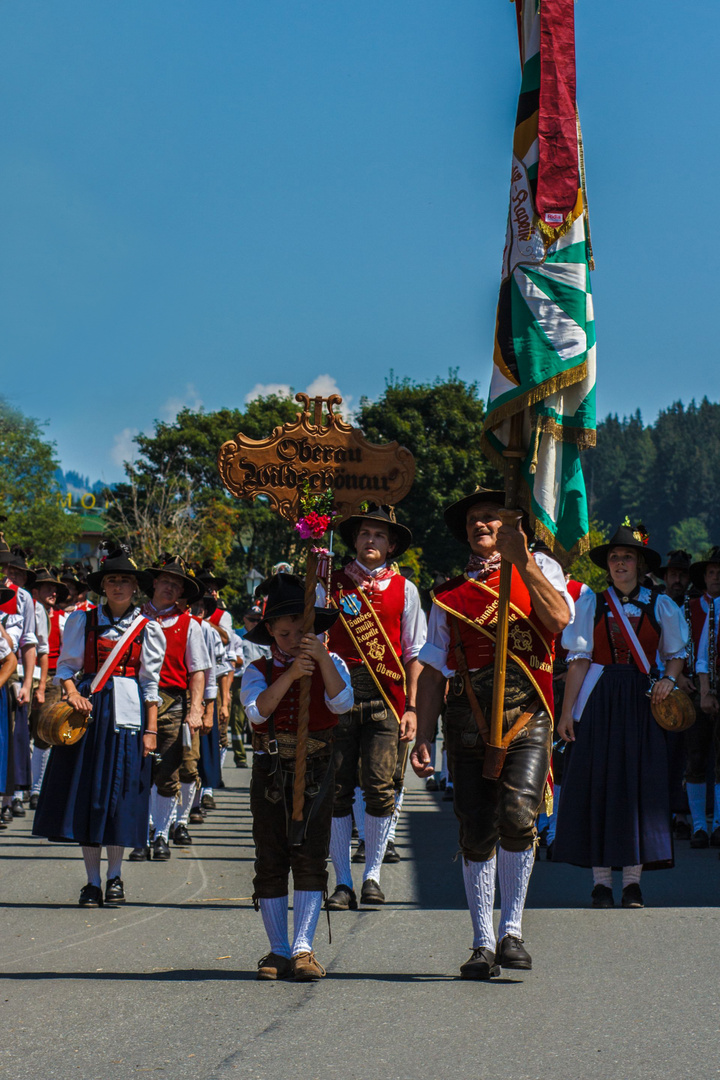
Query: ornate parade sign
{"points": [[330, 455]]}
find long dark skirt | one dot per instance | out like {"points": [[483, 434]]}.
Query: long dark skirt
{"points": [[209, 763], [4, 736], [97, 791], [615, 807], [22, 773]]}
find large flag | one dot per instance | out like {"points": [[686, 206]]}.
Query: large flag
{"points": [[544, 357]]}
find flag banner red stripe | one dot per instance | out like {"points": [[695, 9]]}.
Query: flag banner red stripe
{"points": [[558, 169]]}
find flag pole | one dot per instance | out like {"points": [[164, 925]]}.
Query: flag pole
{"points": [[495, 752]]}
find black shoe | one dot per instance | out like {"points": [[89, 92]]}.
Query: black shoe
{"points": [[481, 965], [602, 897], [448, 793], [632, 897], [354, 835], [343, 899], [221, 785], [371, 893], [699, 839], [511, 953], [171, 832], [542, 838], [549, 851], [90, 896], [6, 815], [359, 854], [34, 800], [431, 784], [241, 764], [17, 809], [161, 850], [196, 816], [114, 891], [26, 796], [682, 830], [715, 837], [140, 854], [181, 837], [391, 853], [442, 783], [207, 802]]}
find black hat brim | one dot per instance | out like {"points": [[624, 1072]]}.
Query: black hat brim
{"points": [[61, 591], [400, 535], [191, 588], [697, 572], [217, 583], [5, 595], [599, 555], [144, 581], [456, 514], [324, 619]]}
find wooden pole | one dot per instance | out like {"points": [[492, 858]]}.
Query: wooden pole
{"points": [[296, 831], [494, 751]]}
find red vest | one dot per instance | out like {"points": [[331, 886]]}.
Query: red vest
{"points": [[286, 713], [217, 616], [98, 648], [54, 639], [174, 673], [388, 603], [609, 644], [10, 606]]}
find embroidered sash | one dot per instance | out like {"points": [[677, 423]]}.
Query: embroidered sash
{"points": [[373, 646]]}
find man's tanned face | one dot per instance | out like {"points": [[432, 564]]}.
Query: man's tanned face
{"points": [[482, 523], [676, 582], [712, 578]]}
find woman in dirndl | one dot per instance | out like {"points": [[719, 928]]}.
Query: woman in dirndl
{"points": [[97, 791], [614, 809], [8, 664]]}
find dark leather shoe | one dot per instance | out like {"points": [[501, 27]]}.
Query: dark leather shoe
{"points": [[371, 893], [208, 803], [512, 953], [6, 815], [34, 799], [391, 853], [602, 897], [273, 966], [17, 809], [431, 784], [114, 891], [140, 854], [481, 965], [196, 816], [699, 839], [241, 765], [343, 899], [682, 830], [359, 853], [715, 837], [161, 849], [90, 896], [448, 793], [632, 897], [181, 837]]}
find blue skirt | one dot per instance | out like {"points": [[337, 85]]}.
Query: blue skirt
{"points": [[97, 791], [4, 736], [614, 804], [209, 763], [22, 773]]}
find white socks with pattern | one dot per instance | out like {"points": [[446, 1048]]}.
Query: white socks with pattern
{"points": [[479, 878], [514, 870], [114, 858], [358, 812], [340, 836], [306, 912], [399, 796], [274, 913], [163, 814], [187, 794], [631, 875], [38, 765], [602, 875], [377, 830], [91, 856]]}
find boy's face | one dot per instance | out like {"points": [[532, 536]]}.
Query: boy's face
{"points": [[287, 633]]}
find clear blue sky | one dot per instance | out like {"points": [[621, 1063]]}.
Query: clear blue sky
{"points": [[200, 197]]}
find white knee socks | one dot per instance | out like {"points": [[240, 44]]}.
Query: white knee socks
{"points": [[358, 812], [91, 855], [602, 875], [697, 794], [479, 878], [376, 838], [38, 765], [114, 858], [340, 836], [187, 794], [306, 912], [223, 755], [163, 814], [399, 796], [514, 870], [631, 875], [275, 920]]}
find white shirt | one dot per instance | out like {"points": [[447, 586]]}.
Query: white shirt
{"points": [[197, 657], [21, 626], [210, 637], [436, 649], [226, 661], [701, 662], [42, 630], [152, 654], [254, 682], [578, 637]]}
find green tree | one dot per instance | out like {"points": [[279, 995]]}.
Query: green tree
{"points": [[29, 492], [691, 535], [584, 569]]}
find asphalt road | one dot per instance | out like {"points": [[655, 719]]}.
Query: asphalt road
{"points": [[166, 985]]}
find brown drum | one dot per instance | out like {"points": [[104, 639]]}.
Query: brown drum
{"points": [[676, 712], [60, 725]]}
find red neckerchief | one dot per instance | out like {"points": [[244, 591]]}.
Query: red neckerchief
{"points": [[366, 581], [159, 615], [281, 657], [484, 567]]}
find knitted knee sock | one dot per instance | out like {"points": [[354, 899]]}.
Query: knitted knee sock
{"points": [[163, 815], [340, 835], [631, 875], [206, 791], [602, 875], [399, 796], [358, 812], [187, 794], [306, 912], [223, 755], [91, 855], [114, 858], [196, 796], [479, 878], [275, 920], [38, 764], [376, 837], [514, 870], [697, 794]]}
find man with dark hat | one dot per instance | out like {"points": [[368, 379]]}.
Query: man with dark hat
{"points": [[271, 697], [182, 689], [379, 633], [497, 817], [676, 575], [703, 738], [21, 627]]}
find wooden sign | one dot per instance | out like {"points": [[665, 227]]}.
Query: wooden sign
{"points": [[328, 455]]}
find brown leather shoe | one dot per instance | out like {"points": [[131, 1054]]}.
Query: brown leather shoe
{"points": [[306, 968], [273, 966]]}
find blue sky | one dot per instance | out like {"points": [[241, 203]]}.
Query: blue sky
{"points": [[200, 199]]}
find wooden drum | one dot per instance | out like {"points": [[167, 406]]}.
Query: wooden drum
{"points": [[676, 712], [60, 725]]}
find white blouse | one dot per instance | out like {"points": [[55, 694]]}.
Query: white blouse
{"points": [[578, 637], [254, 682], [152, 654]]}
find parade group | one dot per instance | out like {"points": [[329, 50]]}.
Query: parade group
{"points": [[162, 686]]}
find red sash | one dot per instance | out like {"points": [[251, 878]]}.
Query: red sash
{"points": [[475, 604], [10, 606]]}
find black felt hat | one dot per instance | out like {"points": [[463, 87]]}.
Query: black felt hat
{"points": [[118, 561], [286, 596], [697, 570], [17, 556], [177, 567], [48, 575], [399, 534], [5, 595], [456, 514], [676, 560], [627, 536], [208, 580]]}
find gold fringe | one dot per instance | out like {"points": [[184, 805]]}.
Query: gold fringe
{"points": [[551, 386], [548, 799], [584, 438], [565, 557]]}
